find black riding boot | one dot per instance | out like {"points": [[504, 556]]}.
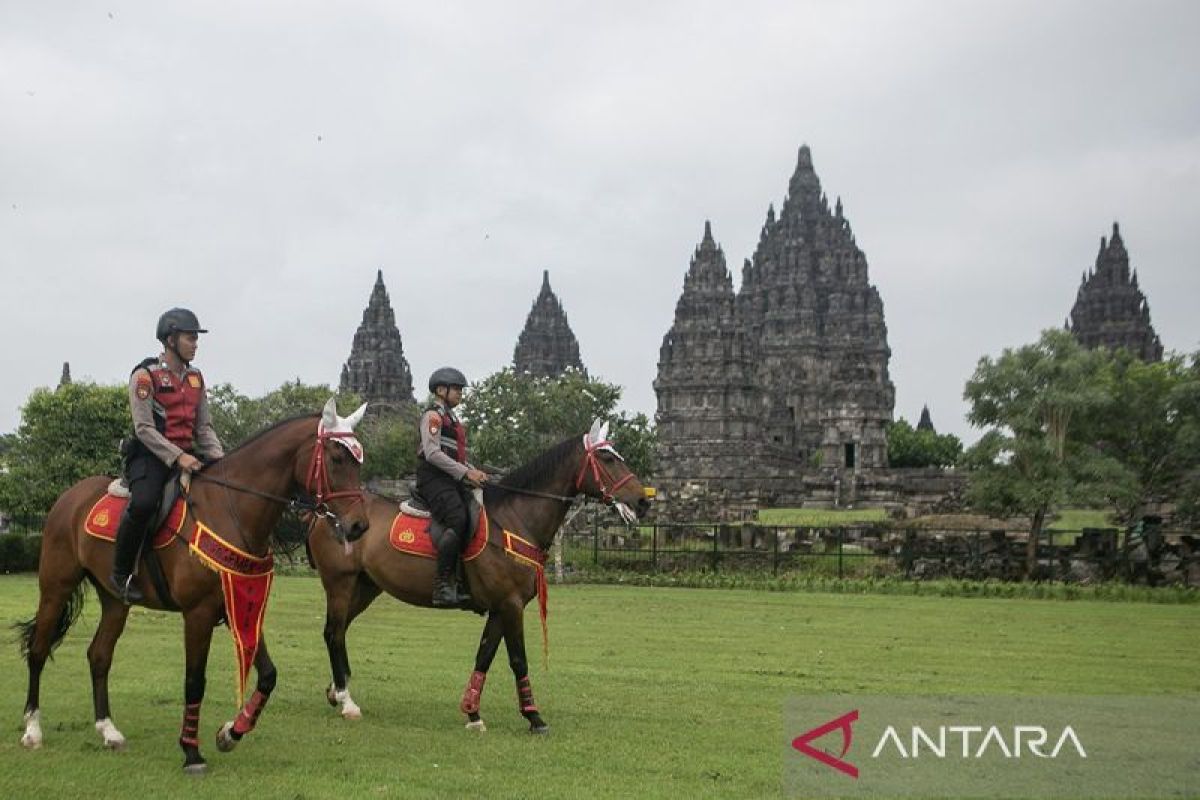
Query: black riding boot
{"points": [[445, 586], [129, 542]]}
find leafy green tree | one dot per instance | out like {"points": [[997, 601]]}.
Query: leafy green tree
{"points": [[908, 447], [390, 442], [1147, 432], [1026, 463], [513, 418], [65, 435]]}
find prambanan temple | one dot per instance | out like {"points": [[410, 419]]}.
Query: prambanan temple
{"points": [[776, 393], [787, 377], [1110, 310]]}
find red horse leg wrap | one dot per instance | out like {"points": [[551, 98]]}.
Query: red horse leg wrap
{"points": [[525, 696], [472, 694], [189, 733], [247, 718]]}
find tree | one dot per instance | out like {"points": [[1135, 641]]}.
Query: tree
{"points": [[1147, 432], [514, 417], [908, 447], [1026, 463], [65, 435]]}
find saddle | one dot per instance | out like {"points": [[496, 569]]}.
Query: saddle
{"points": [[104, 517], [415, 531]]}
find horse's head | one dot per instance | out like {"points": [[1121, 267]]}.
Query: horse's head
{"points": [[333, 473], [605, 475]]}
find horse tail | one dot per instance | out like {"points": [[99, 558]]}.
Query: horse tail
{"points": [[70, 613]]}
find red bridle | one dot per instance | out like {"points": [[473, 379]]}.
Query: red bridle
{"points": [[318, 471], [604, 480]]}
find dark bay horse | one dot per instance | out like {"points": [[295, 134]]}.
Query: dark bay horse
{"points": [[240, 498], [531, 502]]}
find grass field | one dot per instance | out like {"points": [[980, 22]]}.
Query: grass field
{"points": [[651, 692]]}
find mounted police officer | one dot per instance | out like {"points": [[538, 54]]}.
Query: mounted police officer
{"points": [[444, 479], [171, 427]]}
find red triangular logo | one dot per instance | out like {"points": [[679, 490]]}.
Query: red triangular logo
{"points": [[802, 743]]}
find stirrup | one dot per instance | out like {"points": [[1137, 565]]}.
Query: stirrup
{"points": [[127, 592]]}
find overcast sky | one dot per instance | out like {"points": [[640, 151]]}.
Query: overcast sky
{"points": [[258, 162]]}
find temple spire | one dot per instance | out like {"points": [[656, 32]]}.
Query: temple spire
{"points": [[546, 347], [377, 370]]}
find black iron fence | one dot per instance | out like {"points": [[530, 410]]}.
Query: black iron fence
{"points": [[1155, 557], [1149, 555]]}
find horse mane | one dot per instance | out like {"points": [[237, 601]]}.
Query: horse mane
{"points": [[530, 474], [260, 434]]}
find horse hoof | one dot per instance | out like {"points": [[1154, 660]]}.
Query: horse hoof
{"points": [[539, 730], [116, 745], [225, 742], [199, 769], [351, 712], [477, 725], [31, 742]]}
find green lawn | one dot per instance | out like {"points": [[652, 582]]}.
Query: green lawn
{"points": [[650, 693], [819, 517]]}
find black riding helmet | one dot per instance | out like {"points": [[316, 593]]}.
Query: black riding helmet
{"points": [[177, 320], [446, 376]]}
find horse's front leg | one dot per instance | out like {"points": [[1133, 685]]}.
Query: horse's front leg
{"points": [[100, 654], [198, 624], [489, 642], [513, 615], [344, 602], [232, 731]]}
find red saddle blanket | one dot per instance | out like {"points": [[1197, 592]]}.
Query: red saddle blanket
{"points": [[411, 535], [105, 516]]}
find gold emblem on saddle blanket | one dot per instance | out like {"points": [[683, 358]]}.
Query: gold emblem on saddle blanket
{"points": [[101, 519], [407, 536]]}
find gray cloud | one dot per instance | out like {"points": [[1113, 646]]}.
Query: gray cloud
{"points": [[259, 162]]}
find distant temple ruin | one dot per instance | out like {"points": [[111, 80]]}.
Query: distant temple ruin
{"points": [[546, 347], [1110, 310], [787, 378], [377, 370]]}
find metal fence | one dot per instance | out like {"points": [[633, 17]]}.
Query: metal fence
{"points": [[593, 541], [856, 551]]}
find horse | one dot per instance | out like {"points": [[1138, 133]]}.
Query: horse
{"points": [[310, 462], [532, 502]]}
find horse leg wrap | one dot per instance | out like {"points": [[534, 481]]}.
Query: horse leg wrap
{"points": [[472, 694], [189, 732], [247, 718], [525, 696]]}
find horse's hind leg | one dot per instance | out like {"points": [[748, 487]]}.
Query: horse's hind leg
{"points": [[100, 652], [232, 732], [61, 600], [342, 610], [514, 641], [489, 642]]}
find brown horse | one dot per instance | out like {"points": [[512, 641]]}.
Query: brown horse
{"points": [[531, 502], [310, 462]]}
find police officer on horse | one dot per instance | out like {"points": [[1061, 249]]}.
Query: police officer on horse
{"points": [[172, 429], [444, 479]]}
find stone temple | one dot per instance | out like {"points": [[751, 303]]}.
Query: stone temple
{"points": [[546, 347], [788, 376], [377, 370], [1110, 310]]}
